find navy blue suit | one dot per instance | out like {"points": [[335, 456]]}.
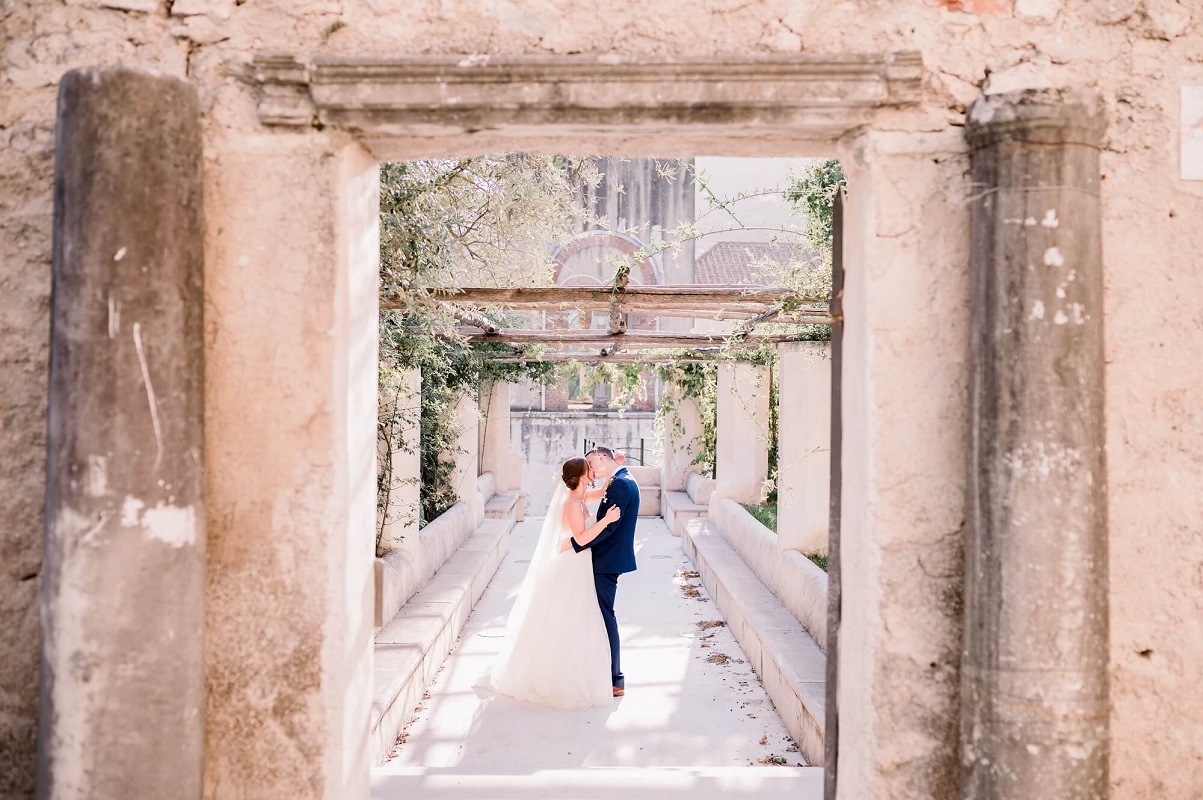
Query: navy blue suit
{"points": [[614, 554]]}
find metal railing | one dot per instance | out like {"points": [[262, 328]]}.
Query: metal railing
{"points": [[636, 453]]}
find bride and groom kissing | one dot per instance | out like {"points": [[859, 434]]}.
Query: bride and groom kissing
{"points": [[562, 645]]}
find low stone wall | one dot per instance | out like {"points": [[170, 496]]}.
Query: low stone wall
{"points": [[403, 572], [545, 439], [410, 649], [796, 581]]}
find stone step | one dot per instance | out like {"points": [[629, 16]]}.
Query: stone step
{"points": [[507, 505], [678, 508], [762, 782]]}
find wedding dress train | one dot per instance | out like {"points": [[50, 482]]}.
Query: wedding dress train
{"points": [[556, 652]]}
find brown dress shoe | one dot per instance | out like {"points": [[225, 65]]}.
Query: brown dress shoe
{"points": [[619, 691]]}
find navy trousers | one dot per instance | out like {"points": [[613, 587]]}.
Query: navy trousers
{"points": [[607, 587]]}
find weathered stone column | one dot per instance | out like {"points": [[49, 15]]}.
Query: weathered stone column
{"points": [[804, 446], [291, 401], [401, 517], [467, 460], [495, 438], [904, 446], [1034, 705], [742, 450], [682, 440], [122, 679]]}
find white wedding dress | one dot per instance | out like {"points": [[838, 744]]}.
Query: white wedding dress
{"points": [[556, 652]]}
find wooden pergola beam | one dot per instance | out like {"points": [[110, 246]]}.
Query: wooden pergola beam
{"points": [[630, 338], [801, 317], [544, 298], [617, 358], [744, 329], [813, 316], [470, 318]]}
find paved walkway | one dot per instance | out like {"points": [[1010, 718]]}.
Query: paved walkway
{"points": [[695, 721]]}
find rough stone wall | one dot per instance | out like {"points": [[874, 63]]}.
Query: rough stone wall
{"points": [[545, 439], [38, 42], [1137, 53]]}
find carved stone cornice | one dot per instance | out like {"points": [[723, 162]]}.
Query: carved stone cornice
{"points": [[423, 94]]}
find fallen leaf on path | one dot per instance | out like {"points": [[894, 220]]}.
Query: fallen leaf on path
{"points": [[778, 761]]}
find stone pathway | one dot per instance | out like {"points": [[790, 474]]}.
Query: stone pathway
{"points": [[695, 721]]}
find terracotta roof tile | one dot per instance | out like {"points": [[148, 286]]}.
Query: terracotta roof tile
{"points": [[731, 263]]}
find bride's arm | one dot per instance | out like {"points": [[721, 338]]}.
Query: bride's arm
{"points": [[574, 519], [594, 494]]}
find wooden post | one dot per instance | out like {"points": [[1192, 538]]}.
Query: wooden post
{"points": [[831, 728], [1034, 678], [122, 679]]}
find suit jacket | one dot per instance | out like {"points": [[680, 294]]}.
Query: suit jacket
{"points": [[614, 547]]}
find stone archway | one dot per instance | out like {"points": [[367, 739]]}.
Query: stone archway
{"points": [[400, 109], [644, 272]]}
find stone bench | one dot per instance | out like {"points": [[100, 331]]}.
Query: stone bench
{"points": [[786, 659], [680, 507], [411, 648], [649, 501], [406, 569], [648, 479], [507, 505]]}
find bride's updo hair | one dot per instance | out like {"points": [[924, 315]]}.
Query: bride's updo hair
{"points": [[574, 470]]}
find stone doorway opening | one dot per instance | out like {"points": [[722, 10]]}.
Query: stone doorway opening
{"points": [[675, 311], [440, 107], [407, 110]]}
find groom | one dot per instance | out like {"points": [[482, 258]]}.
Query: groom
{"points": [[614, 547]]}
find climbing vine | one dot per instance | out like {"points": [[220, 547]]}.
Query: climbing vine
{"points": [[481, 221], [697, 382]]}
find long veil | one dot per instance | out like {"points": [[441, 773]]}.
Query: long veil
{"points": [[547, 548]]}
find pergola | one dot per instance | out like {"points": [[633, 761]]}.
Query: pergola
{"points": [[749, 305]]}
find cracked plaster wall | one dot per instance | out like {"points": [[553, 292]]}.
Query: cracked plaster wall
{"points": [[1136, 53]]}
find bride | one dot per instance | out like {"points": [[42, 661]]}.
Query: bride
{"points": [[556, 651]]}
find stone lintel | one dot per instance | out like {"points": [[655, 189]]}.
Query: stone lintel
{"points": [[421, 95]]}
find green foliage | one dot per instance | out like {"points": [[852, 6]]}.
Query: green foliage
{"points": [[774, 430], [451, 369], [813, 192], [765, 514], [626, 381], [482, 221], [698, 382]]}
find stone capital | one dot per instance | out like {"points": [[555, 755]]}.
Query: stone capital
{"points": [[1037, 116]]}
